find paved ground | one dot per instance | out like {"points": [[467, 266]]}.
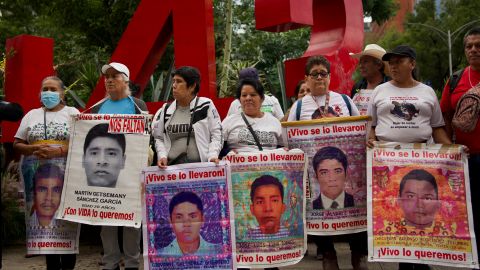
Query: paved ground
{"points": [[14, 259]]}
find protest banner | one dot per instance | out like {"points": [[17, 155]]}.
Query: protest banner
{"points": [[188, 222], [420, 205], [43, 183], [106, 156], [336, 187], [269, 207]]}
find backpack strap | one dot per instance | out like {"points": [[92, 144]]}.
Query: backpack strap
{"points": [[455, 79], [164, 119], [347, 102], [299, 109]]}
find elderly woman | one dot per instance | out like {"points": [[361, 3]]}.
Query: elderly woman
{"points": [[267, 129], [44, 133], [189, 129], [405, 110]]}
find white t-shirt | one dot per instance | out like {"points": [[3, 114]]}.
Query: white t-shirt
{"points": [[270, 105], [239, 138], [32, 127], [405, 114], [362, 99], [311, 106]]}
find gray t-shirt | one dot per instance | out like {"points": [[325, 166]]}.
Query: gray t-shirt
{"points": [[177, 131]]}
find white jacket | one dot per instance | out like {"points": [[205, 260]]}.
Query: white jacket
{"points": [[206, 125]]}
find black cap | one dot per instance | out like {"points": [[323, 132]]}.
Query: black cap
{"points": [[402, 51], [249, 72]]}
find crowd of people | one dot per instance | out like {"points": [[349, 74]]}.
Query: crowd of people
{"points": [[189, 129]]}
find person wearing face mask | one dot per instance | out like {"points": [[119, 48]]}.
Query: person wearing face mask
{"points": [[44, 133]]}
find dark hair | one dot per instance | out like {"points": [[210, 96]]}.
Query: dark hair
{"points": [[330, 152], [185, 196], [263, 181], [297, 88], [253, 83], [47, 170], [190, 74], [471, 32], [316, 60], [101, 130], [420, 175]]}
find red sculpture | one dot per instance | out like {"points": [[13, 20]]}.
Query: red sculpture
{"points": [[337, 29]]}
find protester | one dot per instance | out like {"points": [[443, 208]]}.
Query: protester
{"points": [[119, 101], [456, 88], [250, 129], [416, 115], [300, 91], [35, 134], [270, 104], [188, 129], [322, 102], [373, 71], [267, 129]]}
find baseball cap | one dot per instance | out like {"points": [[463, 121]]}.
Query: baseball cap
{"points": [[402, 51], [118, 67]]}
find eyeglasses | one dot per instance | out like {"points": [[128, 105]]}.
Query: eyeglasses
{"points": [[322, 74]]}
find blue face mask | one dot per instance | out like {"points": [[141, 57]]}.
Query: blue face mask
{"points": [[50, 99]]}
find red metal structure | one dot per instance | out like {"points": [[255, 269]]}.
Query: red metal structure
{"points": [[337, 29]]}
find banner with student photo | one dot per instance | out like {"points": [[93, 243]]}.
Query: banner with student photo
{"points": [[43, 181], [105, 159], [420, 207], [269, 205], [188, 217], [336, 188]]}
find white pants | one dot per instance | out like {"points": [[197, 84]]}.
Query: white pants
{"points": [[111, 250]]}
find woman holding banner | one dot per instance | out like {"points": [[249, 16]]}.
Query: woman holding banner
{"points": [[251, 130], [405, 110], [188, 129], [42, 138]]}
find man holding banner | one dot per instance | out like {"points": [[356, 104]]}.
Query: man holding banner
{"points": [[118, 101]]}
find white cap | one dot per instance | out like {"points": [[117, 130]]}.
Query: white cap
{"points": [[118, 67]]}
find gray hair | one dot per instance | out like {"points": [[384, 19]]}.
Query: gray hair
{"points": [[54, 78]]}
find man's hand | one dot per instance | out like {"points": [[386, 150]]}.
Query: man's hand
{"points": [[162, 163]]}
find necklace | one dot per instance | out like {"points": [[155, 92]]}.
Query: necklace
{"points": [[325, 108], [470, 76]]}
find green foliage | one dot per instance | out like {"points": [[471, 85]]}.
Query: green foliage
{"points": [[431, 44], [379, 10]]}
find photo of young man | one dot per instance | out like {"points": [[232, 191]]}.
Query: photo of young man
{"points": [[418, 199], [103, 156], [186, 218], [330, 164], [267, 194], [47, 192]]}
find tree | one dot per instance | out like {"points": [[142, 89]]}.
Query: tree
{"points": [[431, 47]]}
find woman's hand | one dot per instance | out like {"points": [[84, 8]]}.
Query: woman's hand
{"points": [[45, 151], [215, 160], [371, 143], [162, 163]]}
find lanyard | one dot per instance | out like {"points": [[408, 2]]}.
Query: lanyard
{"points": [[323, 113]]}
